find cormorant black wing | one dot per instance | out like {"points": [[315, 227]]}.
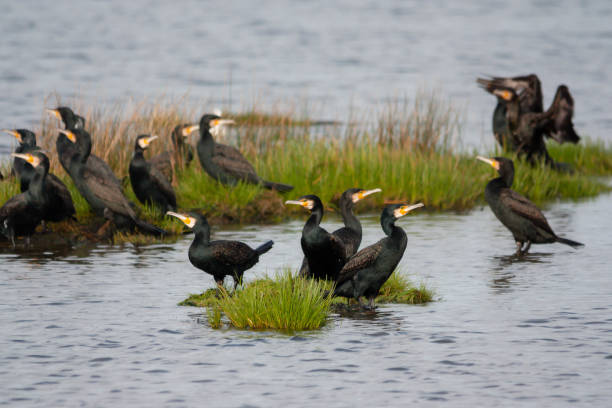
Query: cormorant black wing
{"points": [[163, 163], [162, 183], [13, 205], [110, 194], [99, 166], [349, 239], [563, 107], [361, 260], [232, 252], [523, 207], [233, 162], [60, 189]]}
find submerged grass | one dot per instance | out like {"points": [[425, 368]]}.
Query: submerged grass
{"points": [[290, 302], [410, 153]]}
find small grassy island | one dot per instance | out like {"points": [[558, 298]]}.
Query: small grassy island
{"points": [[289, 302]]}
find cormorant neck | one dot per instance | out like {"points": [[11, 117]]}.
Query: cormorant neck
{"points": [[206, 143], [202, 233], [513, 111], [139, 153], [315, 219], [36, 187], [388, 225], [507, 177], [348, 218]]}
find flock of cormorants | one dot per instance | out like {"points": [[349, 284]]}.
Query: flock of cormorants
{"points": [[519, 125]]}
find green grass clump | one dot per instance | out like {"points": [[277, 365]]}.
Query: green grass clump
{"points": [[399, 289]]}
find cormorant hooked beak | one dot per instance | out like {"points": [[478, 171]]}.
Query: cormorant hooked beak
{"points": [[491, 162], [504, 94], [14, 133], [187, 130], [215, 123], [146, 141], [360, 195], [309, 204], [405, 209], [33, 160], [55, 113], [68, 134], [187, 220]]}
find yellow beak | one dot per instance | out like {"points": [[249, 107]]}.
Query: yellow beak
{"points": [[14, 133], [71, 136], [493, 163], [187, 220], [405, 209]]}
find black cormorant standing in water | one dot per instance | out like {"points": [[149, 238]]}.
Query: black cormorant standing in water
{"points": [[22, 213], [526, 222], [219, 258], [350, 234], [104, 196], [66, 150], [367, 270], [149, 185], [225, 163], [181, 155], [325, 253]]}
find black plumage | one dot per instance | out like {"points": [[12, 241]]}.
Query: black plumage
{"points": [[351, 233], [325, 253], [66, 150], [367, 270], [181, 155], [22, 213], [27, 143], [219, 258], [104, 196], [225, 163], [524, 220], [149, 184]]}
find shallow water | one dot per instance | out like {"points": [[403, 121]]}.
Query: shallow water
{"points": [[327, 57], [100, 326]]}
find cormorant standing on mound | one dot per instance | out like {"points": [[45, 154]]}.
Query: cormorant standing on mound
{"points": [[350, 234], [325, 253], [225, 163], [22, 213], [66, 150], [60, 201], [367, 270], [219, 258], [103, 195], [526, 222], [527, 129], [182, 154], [149, 185]]}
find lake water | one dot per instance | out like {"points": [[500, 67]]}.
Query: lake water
{"points": [[100, 325]]}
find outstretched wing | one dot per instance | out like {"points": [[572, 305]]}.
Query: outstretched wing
{"points": [[562, 129], [361, 260], [232, 253], [525, 208], [233, 162]]}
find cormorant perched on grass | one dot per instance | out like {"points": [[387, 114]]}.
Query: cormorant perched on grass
{"points": [[367, 270], [22, 213], [527, 129], [104, 196], [149, 185], [325, 253], [350, 234], [526, 222], [219, 258], [66, 150], [181, 155], [27, 142], [60, 201], [225, 163]]}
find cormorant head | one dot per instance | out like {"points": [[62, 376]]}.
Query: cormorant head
{"points": [[35, 159], [25, 137], [190, 219], [503, 165], [211, 123], [143, 141], [396, 211], [70, 119], [182, 132], [505, 94], [354, 195], [310, 202]]}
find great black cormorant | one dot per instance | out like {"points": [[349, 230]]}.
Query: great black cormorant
{"points": [[27, 142], [350, 234], [104, 196], [325, 253], [225, 163], [367, 270], [526, 222], [219, 258], [181, 155], [149, 185]]}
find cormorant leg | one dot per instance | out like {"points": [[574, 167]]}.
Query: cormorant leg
{"points": [[13, 240], [519, 245], [219, 287], [371, 303], [527, 246], [361, 305]]}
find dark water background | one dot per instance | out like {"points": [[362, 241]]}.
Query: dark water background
{"points": [[99, 326]]}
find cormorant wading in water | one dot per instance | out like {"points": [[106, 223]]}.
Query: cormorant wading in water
{"points": [[219, 258], [351, 233], [148, 183], [524, 220], [225, 163], [325, 253], [104, 196], [367, 270]]}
